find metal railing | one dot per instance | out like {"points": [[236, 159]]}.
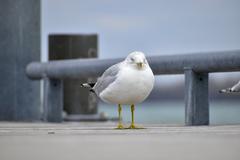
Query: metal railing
{"points": [[195, 67]]}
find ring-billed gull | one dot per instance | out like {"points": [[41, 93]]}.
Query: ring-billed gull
{"points": [[235, 88], [126, 83]]}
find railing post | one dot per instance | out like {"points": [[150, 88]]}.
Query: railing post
{"points": [[196, 98], [53, 100]]}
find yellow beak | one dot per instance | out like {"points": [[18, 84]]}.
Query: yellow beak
{"points": [[140, 65]]}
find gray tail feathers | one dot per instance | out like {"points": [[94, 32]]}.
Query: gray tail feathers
{"points": [[88, 85], [228, 90]]}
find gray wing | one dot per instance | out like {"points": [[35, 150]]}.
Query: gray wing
{"points": [[108, 77], [236, 87]]}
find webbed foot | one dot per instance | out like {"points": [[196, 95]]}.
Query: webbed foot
{"points": [[133, 126], [120, 126]]}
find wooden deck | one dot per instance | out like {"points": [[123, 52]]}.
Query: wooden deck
{"points": [[66, 141]]}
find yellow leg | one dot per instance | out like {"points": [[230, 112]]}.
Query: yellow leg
{"points": [[132, 126], [120, 125]]}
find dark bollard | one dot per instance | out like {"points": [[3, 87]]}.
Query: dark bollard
{"points": [[77, 100], [196, 98], [19, 45]]}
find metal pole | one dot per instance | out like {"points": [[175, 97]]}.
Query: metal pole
{"points": [[196, 98], [227, 61], [20, 45], [53, 100]]}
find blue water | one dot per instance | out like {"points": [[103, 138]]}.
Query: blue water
{"points": [[172, 112]]}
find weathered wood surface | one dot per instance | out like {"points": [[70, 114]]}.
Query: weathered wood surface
{"points": [[100, 141]]}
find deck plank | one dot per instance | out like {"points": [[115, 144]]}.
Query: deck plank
{"points": [[100, 141]]}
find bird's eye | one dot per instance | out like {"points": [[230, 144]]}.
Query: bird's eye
{"points": [[132, 59]]}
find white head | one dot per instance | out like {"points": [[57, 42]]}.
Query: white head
{"points": [[137, 59]]}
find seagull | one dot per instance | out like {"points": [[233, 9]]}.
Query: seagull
{"points": [[126, 83], [235, 88]]}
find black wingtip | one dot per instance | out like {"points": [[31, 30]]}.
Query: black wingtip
{"points": [[91, 84], [88, 85], [91, 90]]}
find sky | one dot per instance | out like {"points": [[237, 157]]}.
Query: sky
{"points": [[156, 27]]}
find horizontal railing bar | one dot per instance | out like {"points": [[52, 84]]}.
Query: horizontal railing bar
{"points": [[224, 61]]}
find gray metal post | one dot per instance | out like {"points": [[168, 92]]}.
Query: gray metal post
{"points": [[77, 100], [19, 45], [53, 100], [196, 98]]}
